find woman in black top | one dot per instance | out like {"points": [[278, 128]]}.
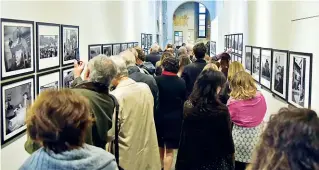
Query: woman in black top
{"points": [[206, 139], [169, 114]]}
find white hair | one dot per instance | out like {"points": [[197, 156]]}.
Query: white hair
{"points": [[189, 48], [102, 69], [155, 47], [120, 66], [182, 50], [128, 57]]}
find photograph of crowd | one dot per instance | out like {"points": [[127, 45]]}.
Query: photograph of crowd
{"points": [[107, 50], [70, 43], [52, 85], [279, 73], [256, 64], [16, 97], [94, 50], [266, 68], [17, 48], [248, 59], [49, 46], [116, 49]]}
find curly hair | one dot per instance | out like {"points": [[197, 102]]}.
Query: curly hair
{"points": [[170, 64], [290, 142], [205, 88], [242, 86], [234, 68]]}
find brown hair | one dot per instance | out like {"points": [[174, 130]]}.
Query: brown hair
{"points": [[164, 55], [234, 68], [140, 53], [59, 119], [184, 60], [290, 142], [169, 46], [242, 86], [224, 63]]}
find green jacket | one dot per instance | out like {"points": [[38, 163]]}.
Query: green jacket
{"points": [[102, 109]]}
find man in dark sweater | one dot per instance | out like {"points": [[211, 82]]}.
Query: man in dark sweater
{"points": [[191, 71], [154, 56]]}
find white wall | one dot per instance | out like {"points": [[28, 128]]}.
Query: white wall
{"points": [[99, 22], [269, 24]]}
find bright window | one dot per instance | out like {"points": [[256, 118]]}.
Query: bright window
{"points": [[201, 21]]}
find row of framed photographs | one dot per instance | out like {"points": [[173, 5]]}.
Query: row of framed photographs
{"points": [[18, 94], [234, 42], [109, 49], [146, 40], [236, 57], [56, 45], [286, 74]]}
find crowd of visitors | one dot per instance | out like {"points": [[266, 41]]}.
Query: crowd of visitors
{"points": [[135, 111]]}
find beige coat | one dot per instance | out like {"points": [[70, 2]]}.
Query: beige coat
{"points": [[138, 147]]}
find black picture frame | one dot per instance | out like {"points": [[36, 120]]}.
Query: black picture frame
{"points": [[66, 69], [257, 79], [240, 44], [4, 139], [285, 77], [248, 64], [143, 40], [46, 74], [124, 46], [38, 24], [225, 42], [263, 80], [306, 57], [135, 44], [90, 55], [69, 62], [115, 46], [21, 72], [236, 43], [109, 45]]}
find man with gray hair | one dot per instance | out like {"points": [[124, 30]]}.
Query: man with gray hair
{"points": [[154, 56], [138, 145], [190, 52], [95, 88], [182, 51]]}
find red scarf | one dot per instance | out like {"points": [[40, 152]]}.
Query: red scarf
{"points": [[167, 73]]}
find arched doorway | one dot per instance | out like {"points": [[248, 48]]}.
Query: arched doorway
{"points": [[191, 23]]}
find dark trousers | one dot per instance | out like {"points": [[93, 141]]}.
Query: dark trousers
{"points": [[240, 165]]}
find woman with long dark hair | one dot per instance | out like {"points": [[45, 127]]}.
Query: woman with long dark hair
{"points": [[206, 140]]}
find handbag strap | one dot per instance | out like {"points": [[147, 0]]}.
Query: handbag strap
{"points": [[116, 140]]}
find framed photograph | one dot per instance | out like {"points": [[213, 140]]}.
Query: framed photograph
{"points": [[116, 49], [107, 49], [225, 42], [67, 77], [256, 63], [123, 46], [233, 43], [240, 59], [130, 45], [236, 43], [48, 46], [135, 44], [48, 80], [17, 96], [266, 60], [228, 42], [279, 72], [70, 42], [300, 74], [150, 40], [212, 48], [240, 44], [143, 40], [17, 48], [248, 59], [94, 50]]}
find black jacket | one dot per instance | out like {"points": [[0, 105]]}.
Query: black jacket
{"points": [[136, 75], [153, 58], [169, 114], [206, 136], [191, 73]]}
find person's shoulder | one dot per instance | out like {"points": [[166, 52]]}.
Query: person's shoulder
{"points": [[98, 151]]}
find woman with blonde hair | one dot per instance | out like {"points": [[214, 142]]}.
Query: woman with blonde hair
{"points": [[247, 108], [290, 142], [211, 66], [234, 68], [158, 70], [183, 61]]}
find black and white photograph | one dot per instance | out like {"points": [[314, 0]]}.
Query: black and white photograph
{"points": [[266, 60], [130, 45], [49, 80], [248, 59], [212, 48], [48, 46], [279, 73], [123, 47], [135, 44], [94, 50], [70, 43], [256, 63], [143, 42], [17, 96], [240, 44], [225, 42], [233, 42], [116, 49], [149, 40], [67, 77], [300, 68], [17, 48], [107, 49], [240, 59], [235, 45]]}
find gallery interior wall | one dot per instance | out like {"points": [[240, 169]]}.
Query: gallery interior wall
{"points": [[99, 22]]}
